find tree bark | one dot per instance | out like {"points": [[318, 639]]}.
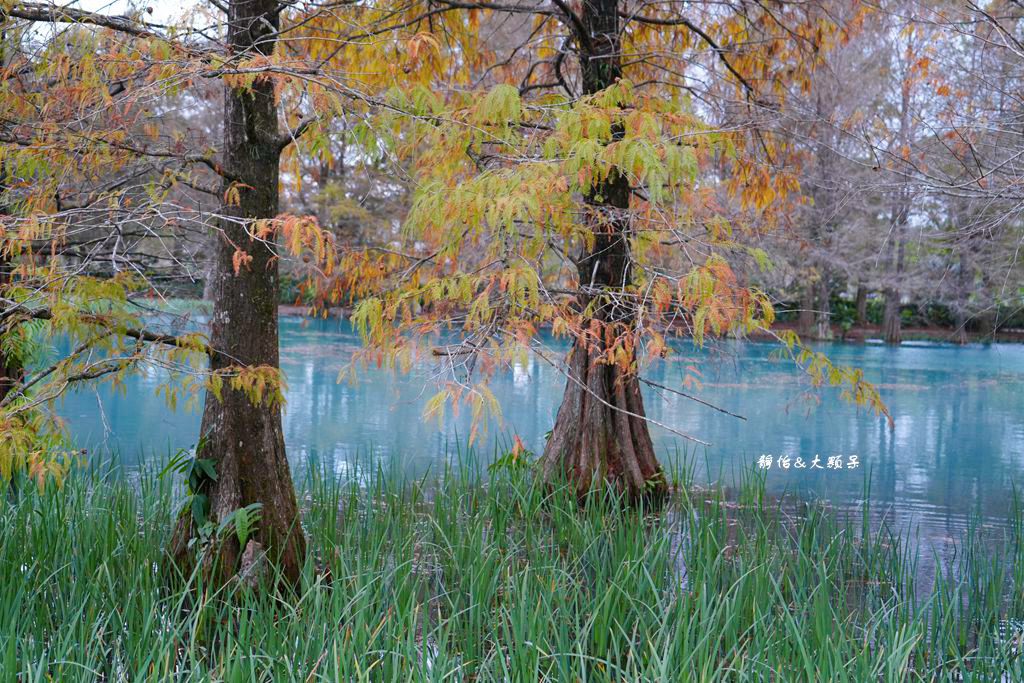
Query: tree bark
{"points": [[960, 306], [244, 439], [891, 319], [823, 315], [891, 328], [805, 325], [601, 437], [12, 371], [862, 305]]}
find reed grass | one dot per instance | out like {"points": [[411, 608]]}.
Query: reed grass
{"points": [[488, 576]]}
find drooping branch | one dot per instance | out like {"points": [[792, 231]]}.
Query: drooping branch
{"points": [[701, 401], [202, 159], [106, 367]]}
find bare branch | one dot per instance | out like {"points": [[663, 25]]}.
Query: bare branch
{"points": [[38, 11], [683, 21]]}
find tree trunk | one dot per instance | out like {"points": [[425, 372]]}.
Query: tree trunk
{"points": [[862, 305], [805, 325], [244, 439], [988, 325], [600, 435], [960, 307], [824, 216], [959, 328], [891, 331], [824, 313], [891, 320], [12, 371]]}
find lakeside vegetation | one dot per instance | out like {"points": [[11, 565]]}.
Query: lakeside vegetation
{"points": [[495, 576]]}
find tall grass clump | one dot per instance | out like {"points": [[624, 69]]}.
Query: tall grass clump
{"points": [[490, 576]]}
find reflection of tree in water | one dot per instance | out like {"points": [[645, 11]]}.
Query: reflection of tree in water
{"points": [[954, 448]]}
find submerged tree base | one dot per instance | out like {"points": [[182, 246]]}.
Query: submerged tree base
{"points": [[601, 435]]}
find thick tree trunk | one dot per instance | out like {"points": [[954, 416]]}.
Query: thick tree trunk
{"points": [[823, 315], [891, 322], [805, 325], [987, 325], [11, 370], [862, 305], [243, 439], [891, 319], [960, 307], [600, 435]]}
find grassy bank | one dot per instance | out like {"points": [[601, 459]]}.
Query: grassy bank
{"points": [[459, 581]]}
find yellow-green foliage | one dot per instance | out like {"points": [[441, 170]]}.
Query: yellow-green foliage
{"points": [[34, 445], [500, 211]]}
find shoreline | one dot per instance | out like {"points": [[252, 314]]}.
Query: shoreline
{"points": [[873, 333], [855, 335]]}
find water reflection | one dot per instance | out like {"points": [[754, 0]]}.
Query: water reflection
{"points": [[957, 446]]}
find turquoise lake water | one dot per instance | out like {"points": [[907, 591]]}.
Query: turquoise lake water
{"points": [[957, 446]]}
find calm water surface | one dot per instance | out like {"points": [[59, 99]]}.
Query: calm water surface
{"points": [[957, 447]]}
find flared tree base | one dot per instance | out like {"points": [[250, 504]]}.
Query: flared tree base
{"points": [[601, 438], [246, 445]]}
